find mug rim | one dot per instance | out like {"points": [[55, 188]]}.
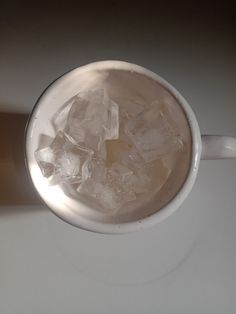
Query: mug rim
{"points": [[176, 201]]}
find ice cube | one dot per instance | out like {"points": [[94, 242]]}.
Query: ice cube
{"points": [[75, 119], [101, 193], [158, 171], [119, 173], [139, 181], [110, 198], [146, 176], [125, 177], [45, 160], [64, 159], [102, 152], [131, 158], [93, 118], [111, 126], [129, 107], [154, 133], [95, 169], [106, 185], [69, 164], [60, 118]]}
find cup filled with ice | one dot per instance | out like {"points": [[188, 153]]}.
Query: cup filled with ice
{"points": [[111, 155], [117, 149]]}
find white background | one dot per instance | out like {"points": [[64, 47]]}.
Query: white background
{"points": [[183, 265]]}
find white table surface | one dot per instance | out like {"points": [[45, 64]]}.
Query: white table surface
{"points": [[187, 264]]}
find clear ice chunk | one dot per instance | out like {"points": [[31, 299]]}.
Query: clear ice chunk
{"points": [[95, 169], [129, 108], [75, 119], [158, 172], [63, 160], [119, 173], [103, 194], [45, 160], [132, 182], [154, 132], [146, 176], [115, 186], [60, 118], [143, 176], [93, 118], [106, 185]]}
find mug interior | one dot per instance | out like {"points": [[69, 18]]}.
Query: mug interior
{"points": [[123, 82]]}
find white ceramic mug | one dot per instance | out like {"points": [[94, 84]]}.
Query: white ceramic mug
{"points": [[79, 214]]}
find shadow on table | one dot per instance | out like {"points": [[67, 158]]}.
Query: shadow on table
{"points": [[15, 186]]}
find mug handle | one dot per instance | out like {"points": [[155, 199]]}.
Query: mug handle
{"points": [[218, 147]]}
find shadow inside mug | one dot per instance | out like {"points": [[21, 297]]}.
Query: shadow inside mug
{"points": [[15, 186]]}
